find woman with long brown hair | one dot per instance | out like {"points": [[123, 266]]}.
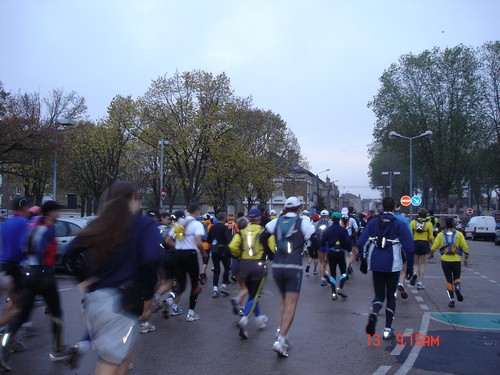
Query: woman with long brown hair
{"points": [[112, 251]]}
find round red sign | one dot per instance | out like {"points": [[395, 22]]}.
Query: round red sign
{"points": [[405, 200], [470, 211]]}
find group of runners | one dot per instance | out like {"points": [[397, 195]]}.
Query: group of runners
{"points": [[386, 244]]}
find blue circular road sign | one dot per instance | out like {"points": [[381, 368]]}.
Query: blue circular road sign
{"points": [[416, 200]]}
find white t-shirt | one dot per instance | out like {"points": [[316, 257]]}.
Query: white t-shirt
{"points": [[192, 229], [351, 226], [306, 226]]}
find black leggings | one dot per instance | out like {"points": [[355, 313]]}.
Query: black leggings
{"points": [[217, 258], [44, 284], [338, 258], [385, 283], [186, 262], [452, 273]]}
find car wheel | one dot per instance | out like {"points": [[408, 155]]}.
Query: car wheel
{"points": [[69, 267]]}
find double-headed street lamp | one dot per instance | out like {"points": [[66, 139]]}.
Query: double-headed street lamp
{"points": [[162, 144], [393, 135], [57, 124]]}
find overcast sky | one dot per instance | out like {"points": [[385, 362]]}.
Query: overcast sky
{"points": [[316, 63]]}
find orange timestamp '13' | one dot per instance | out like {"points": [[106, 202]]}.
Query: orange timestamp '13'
{"points": [[413, 339]]}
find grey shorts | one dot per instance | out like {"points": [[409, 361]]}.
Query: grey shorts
{"points": [[288, 279], [112, 333]]}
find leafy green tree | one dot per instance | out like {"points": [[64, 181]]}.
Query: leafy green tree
{"points": [[437, 90]]}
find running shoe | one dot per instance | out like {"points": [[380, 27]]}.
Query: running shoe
{"points": [[308, 267], [323, 281], [215, 294], [242, 325], [281, 349], [452, 303], [15, 346], [261, 321], [202, 278], [370, 327], [402, 290], [223, 290], [241, 311], [74, 357], [413, 279], [334, 297], [176, 311], [458, 291], [388, 334], [60, 355], [192, 317], [147, 327], [130, 366], [315, 272], [165, 309], [235, 303], [420, 286], [341, 292]]}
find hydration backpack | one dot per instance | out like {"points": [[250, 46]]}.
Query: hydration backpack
{"points": [[450, 247], [419, 226], [286, 227]]}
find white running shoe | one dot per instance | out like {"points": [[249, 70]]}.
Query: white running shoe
{"points": [[281, 349], [147, 327], [192, 317], [261, 321]]}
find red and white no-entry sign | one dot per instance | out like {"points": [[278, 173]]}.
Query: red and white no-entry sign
{"points": [[405, 200], [163, 193], [470, 211]]}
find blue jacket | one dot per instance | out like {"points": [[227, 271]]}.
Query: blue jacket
{"points": [[141, 249], [335, 233], [391, 257], [14, 232]]}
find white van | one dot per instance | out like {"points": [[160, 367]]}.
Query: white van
{"points": [[481, 227]]}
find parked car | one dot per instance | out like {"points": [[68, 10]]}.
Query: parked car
{"points": [[66, 229], [480, 227], [497, 237]]}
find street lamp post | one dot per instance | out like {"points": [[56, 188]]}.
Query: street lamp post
{"points": [[58, 122], [317, 185], [390, 173], [393, 135], [162, 144]]}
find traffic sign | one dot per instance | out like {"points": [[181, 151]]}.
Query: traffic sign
{"points": [[416, 200], [470, 211], [163, 193], [405, 200]]}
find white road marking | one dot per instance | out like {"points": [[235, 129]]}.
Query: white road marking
{"points": [[415, 351], [484, 277], [493, 281], [399, 348], [419, 299], [414, 291], [64, 289], [382, 370], [424, 307]]}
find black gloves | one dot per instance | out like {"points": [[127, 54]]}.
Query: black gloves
{"points": [[364, 266]]}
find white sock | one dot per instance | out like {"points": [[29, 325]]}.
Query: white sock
{"points": [[282, 339], [216, 289], [223, 286], [191, 312]]}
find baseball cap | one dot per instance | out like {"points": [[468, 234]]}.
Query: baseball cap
{"points": [[272, 212], [207, 217], [51, 206], [344, 211], [254, 212], [178, 214], [324, 213], [19, 202], [336, 215], [315, 218], [153, 213], [292, 202]]}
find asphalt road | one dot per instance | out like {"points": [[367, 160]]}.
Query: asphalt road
{"points": [[327, 336]]}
